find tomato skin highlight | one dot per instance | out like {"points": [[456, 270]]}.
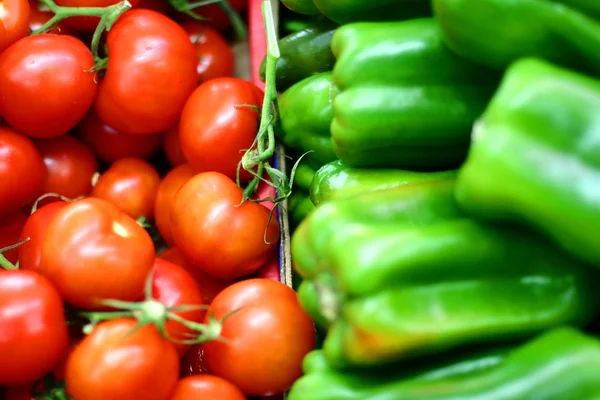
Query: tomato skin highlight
{"points": [[214, 233], [21, 171], [57, 66], [10, 230], [206, 387], [137, 365], [94, 251], [215, 56], [151, 72], [34, 332], [15, 21]]}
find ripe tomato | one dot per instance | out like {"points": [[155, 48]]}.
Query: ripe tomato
{"points": [[21, 171], [116, 362], [24, 392], [215, 56], [38, 18], [206, 387], [57, 66], [193, 362], [217, 18], [167, 189], [172, 147], [151, 72], [35, 229], [173, 286], [70, 165], [160, 6], [213, 232], [110, 145], [209, 285], [270, 269], [34, 331], [10, 230], [14, 20], [87, 24], [270, 317], [93, 251], [214, 132]]}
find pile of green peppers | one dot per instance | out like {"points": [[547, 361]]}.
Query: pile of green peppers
{"points": [[447, 208]]}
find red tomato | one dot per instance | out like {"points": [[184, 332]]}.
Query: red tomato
{"points": [[193, 362], [87, 24], [38, 18], [173, 286], [206, 387], [57, 66], [111, 145], [209, 285], [151, 73], [172, 147], [116, 362], [214, 132], [23, 392], [167, 189], [14, 20], [34, 331], [21, 171], [217, 18], [35, 229], [270, 270], [132, 185], [269, 317], [160, 6], [215, 56], [70, 165], [10, 230], [213, 232], [93, 251]]}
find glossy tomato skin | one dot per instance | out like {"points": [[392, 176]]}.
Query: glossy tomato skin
{"points": [[10, 230], [213, 132], [87, 24], [206, 387], [284, 328], [15, 21], [94, 251], [56, 65], [21, 171], [131, 184], [215, 56], [70, 165], [110, 145], [151, 72], [213, 232], [167, 189], [172, 146], [34, 332], [125, 364], [38, 18]]}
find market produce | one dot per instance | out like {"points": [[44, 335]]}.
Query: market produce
{"points": [[301, 6], [344, 11]]}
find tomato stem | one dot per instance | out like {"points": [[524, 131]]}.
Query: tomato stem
{"points": [[236, 21], [4, 263], [53, 195], [184, 6]]}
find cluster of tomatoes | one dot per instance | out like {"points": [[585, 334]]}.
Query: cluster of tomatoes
{"points": [[92, 305]]}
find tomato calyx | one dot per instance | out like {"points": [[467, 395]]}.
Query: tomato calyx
{"points": [[53, 389], [4, 263], [184, 6]]}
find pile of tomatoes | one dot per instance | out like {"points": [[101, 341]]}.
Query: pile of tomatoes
{"points": [[124, 279]]}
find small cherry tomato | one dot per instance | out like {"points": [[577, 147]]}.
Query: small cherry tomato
{"points": [[21, 171], [193, 362], [215, 56], [10, 230], [206, 387], [151, 73], [115, 361], [215, 16], [172, 147], [34, 331], [15, 21], [110, 145], [167, 189], [94, 251], [37, 19], [57, 66], [270, 317], [216, 233], [87, 24], [214, 130]]}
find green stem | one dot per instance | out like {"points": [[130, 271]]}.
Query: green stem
{"points": [[4, 263], [236, 21]]}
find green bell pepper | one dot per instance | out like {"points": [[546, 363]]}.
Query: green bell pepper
{"points": [[303, 176], [405, 100], [299, 206], [498, 32], [345, 11], [404, 272], [535, 157], [301, 6], [336, 180], [557, 365]]}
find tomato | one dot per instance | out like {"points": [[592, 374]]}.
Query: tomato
{"points": [[70, 165], [172, 147], [213, 232], [38, 18], [214, 132], [110, 145], [160, 6], [206, 387], [10, 230], [167, 189], [34, 331], [217, 18], [21, 171], [14, 20], [116, 362], [270, 270], [269, 317], [151, 72], [57, 66], [93, 251], [173, 286], [87, 24], [209, 285], [215, 56], [193, 362], [23, 392]]}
